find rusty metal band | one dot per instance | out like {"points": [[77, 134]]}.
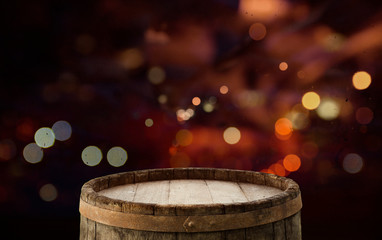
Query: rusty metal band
{"points": [[207, 223]]}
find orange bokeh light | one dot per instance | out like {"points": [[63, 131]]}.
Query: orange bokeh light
{"points": [[283, 66], [196, 101], [292, 162], [257, 31], [283, 128], [224, 89], [278, 169]]}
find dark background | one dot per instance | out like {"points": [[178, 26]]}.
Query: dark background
{"points": [[60, 60]]}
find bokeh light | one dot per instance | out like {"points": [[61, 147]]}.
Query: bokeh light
{"points": [[62, 130], [44, 137], [283, 66], [265, 10], [364, 115], [278, 169], [232, 135], [298, 118], [352, 163], [224, 89], [311, 100], [196, 101], [162, 99], [257, 31], [208, 107], [292, 162], [48, 192], [33, 153], [156, 75], [361, 80], [117, 156], [131, 58], [91, 156], [149, 122], [184, 115], [329, 109], [7, 150], [283, 128], [184, 137]]}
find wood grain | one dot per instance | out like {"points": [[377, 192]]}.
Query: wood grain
{"points": [[211, 197]]}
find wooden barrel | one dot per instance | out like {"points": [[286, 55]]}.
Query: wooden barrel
{"points": [[190, 203]]}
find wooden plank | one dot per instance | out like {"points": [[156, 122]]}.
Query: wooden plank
{"points": [[83, 228], [238, 234], [293, 227], [115, 233], [91, 233], [189, 192], [255, 192], [152, 192], [262, 232], [225, 192], [122, 192], [200, 236], [279, 230]]}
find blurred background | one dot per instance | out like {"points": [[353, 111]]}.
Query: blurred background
{"points": [[90, 88]]}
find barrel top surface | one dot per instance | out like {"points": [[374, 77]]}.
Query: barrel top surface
{"points": [[189, 199], [177, 191], [190, 192]]}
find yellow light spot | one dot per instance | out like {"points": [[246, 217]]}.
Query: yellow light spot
{"points": [[91, 156], [196, 101], [361, 80], [208, 107], [156, 75], [184, 137], [224, 89], [364, 115], [352, 163], [131, 58], [117, 156], [162, 99], [44, 137], [48, 192], [329, 109], [232, 135], [257, 31], [149, 122], [292, 162], [311, 100], [283, 66], [62, 130], [33, 153]]}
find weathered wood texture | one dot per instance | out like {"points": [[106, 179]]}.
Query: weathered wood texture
{"points": [[210, 193]]}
